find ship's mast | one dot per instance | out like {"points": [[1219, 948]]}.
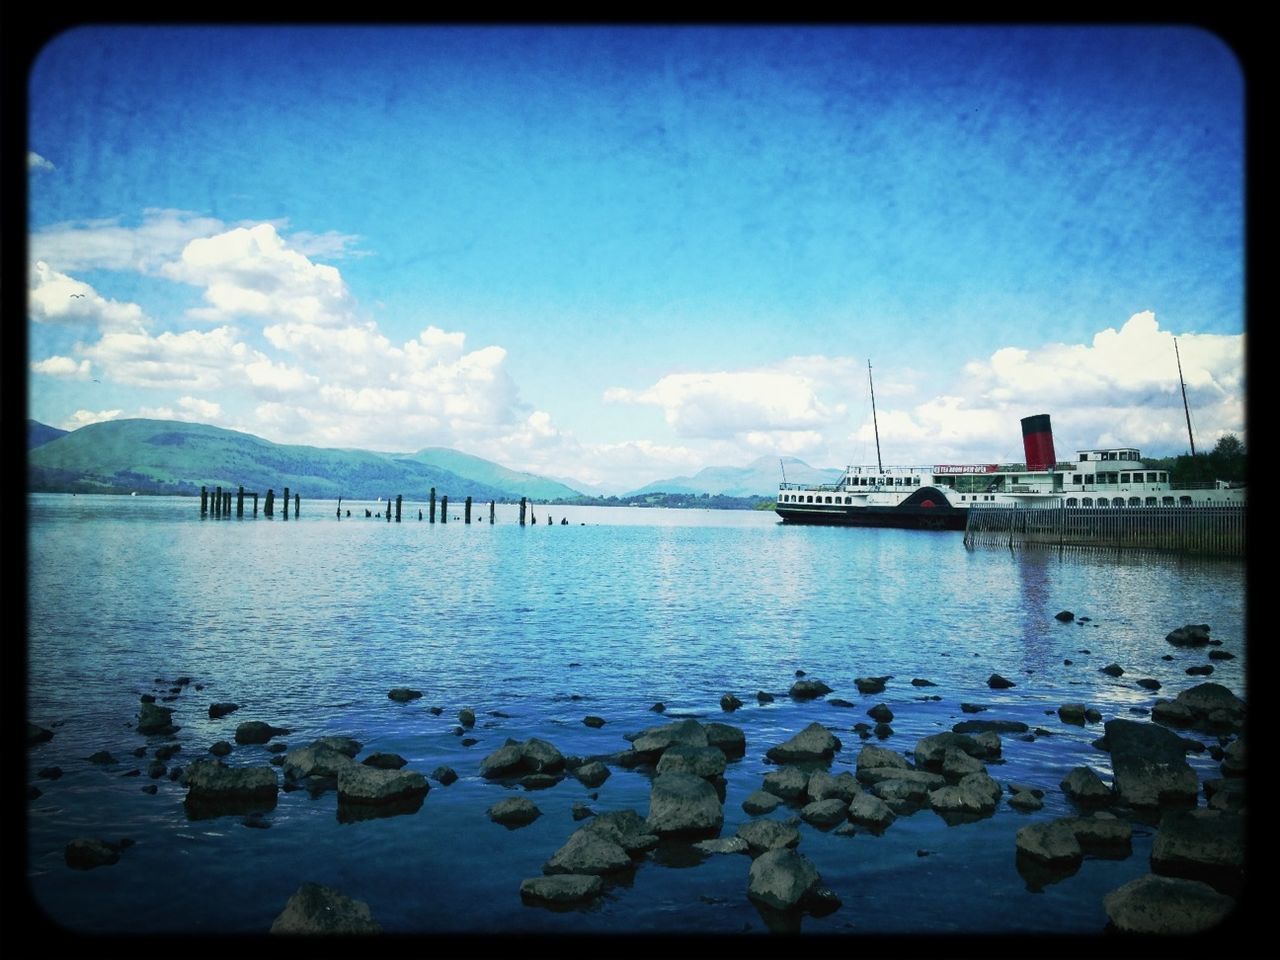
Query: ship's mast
{"points": [[1185, 409], [874, 422]]}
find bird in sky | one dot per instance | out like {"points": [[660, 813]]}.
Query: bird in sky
{"points": [[74, 295]]}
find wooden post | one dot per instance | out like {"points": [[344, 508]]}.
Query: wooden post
{"points": [[204, 501], [240, 502], [490, 513], [522, 507], [468, 511], [388, 509], [419, 514], [297, 505], [444, 509], [286, 503], [218, 511], [398, 496], [255, 504], [433, 505], [269, 508], [339, 508]]}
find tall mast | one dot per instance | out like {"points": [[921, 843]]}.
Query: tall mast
{"points": [[1185, 409], [874, 422]]}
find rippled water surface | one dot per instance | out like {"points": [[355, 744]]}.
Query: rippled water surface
{"points": [[308, 623]]}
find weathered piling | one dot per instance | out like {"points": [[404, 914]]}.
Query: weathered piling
{"points": [[204, 501], [297, 505], [240, 502], [1210, 529], [444, 509], [522, 508], [339, 508], [468, 510], [398, 496], [286, 503], [419, 514], [490, 513], [255, 504], [228, 496], [269, 508], [433, 505], [388, 509], [218, 509]]}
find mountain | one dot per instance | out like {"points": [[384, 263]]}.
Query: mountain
{"points": [[170, 456], [759, 478], [492, 474], [41, 433]]}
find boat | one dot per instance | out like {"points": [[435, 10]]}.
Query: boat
{"points": [[940, 496]]}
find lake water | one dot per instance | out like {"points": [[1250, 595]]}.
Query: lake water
{"points": [[308, 623]]}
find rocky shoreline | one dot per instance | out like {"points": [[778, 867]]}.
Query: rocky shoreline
{"points": [[1197, 869]]}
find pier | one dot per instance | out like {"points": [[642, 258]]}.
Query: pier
{"points": [[1211, 530]]}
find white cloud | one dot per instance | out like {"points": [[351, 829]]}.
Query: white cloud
{"points": [[82, 418], [106, 244], [192, 409], [56, 298], [192, 360], [251, 272], [62, 367], [37, 162]]}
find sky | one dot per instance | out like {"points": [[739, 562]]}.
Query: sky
{"points": [[613, 255]]}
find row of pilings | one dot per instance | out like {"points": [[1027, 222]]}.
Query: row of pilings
{"points": [[1206, 529], [217, 504]]}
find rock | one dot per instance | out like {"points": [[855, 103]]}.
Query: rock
{"points": [[561, 888], [1233, 760], [1084, 787], [1191, 635], [1064, 616], [761, 836], [930, 750], [1092, 716], [1214, 706], [883, 731], [507, 760], [1102, 834], [217, 710], [919, 682], [807, 689], [212, 783], [101, 757], [343, 745], [658, 707], [1147, 683], [871, 812], [729, 703], [540, 781], [588, 852], [1150, 765], [315, 760], [85, 853], [1161, 906], [1221, 655], [881, 713], [514, 812], [358, 784], [722, 845], [731, 741], [255, 731], [837, 702], [781, 879], [989, 726], [1072, 713], [964, 798], [705, 762], [1172, 714], [153, 719], [762, 697], [825, 813], [1113, 670], [788, 782], [1200, 671], [1226, 794], [823, 786], [593, 722], [873, 757], [626, 828], [997, 682], [956, 764], [681, 802], [581, 811], [760, 802], [37, 734], [541, 756], [1051, 844], [592, 774], [155, 770], [403, 694], [384, 761], [652, 742], [814, 742], [1201, 845], [315, 909], [1025, 801], [444, 775], [867, 685]]}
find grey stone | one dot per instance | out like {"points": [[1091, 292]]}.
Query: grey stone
{"points": [[592, 774], [1026, 801], [705, 762], [220, 749], [1102, 832], [153, 719], [655, 740], [1162, 906], [1083, 786], [210, 780], [1233, 759], [789, 782], [403, 694], [825, 813], [385, 761], [255, 731], [1150, 765], [217, 710], [444, 775], [541, 756], [1113, 670], [723, 845], [315, 909], [931, 750], [680, 802], [561, 888], [467, 717], [989, 726], [359, 784], [868, 685], [1199, 844], [85, 853], [625, 828], [729, 703], [1072, 713], [1052, 844], [761, 801], [997, 682], [823, 786], [881, 713], [593, 721], [1191, 635], [514, 811], [956, 763], [872, 756], [588, 852], [870, 811], [508, 759], [762, 836], [730, 740], [814, 742], [315, 760], [781, 879], [808, 689]]}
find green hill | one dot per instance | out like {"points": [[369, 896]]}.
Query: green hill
{"points": [[174, 457]]}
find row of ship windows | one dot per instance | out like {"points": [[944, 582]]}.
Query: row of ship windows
{"points": [[796, 498], [1132, 502], [1153, 476]]}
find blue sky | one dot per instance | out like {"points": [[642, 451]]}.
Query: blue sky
{"points": [[616, 254]]}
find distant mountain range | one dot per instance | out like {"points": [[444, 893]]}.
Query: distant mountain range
{"points": [[176, 457], [759, 478]]}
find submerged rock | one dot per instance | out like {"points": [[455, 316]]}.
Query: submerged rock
{"points": [[217, 710], [1150, 765], [1191, 635], [1052, 844], [789, 783], [592, 774], [997, 682], [358, 784], [1083, 786], [514, 811], [871, 811], [1162, 906], [706, 762], [153, 719], [316, 909], [403, 694], [814, 742], [807, 689], [561, 888], [85, 853], [760, 802], [256, 731], [867, 685], [730, 740]]}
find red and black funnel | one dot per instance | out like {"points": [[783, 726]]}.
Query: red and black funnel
{"points": [[1037, 442]]}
